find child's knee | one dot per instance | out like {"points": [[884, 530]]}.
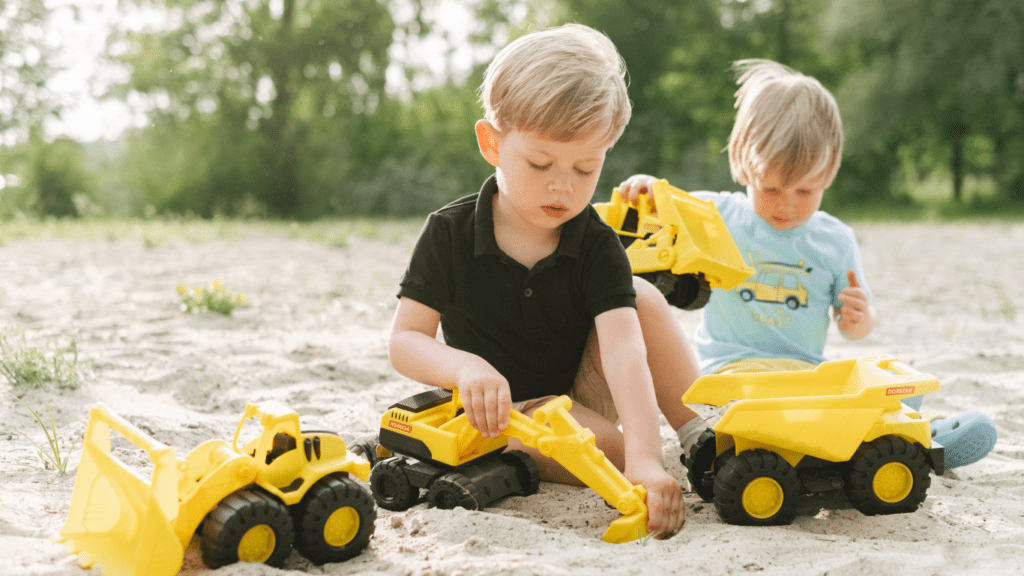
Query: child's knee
{"points": [[647, 296]]}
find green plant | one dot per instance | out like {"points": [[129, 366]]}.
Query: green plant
{"points": [[1006, 307], [216, 298], [24, 365], [52, 455]]}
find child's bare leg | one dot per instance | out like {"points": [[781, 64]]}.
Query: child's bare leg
{"points": [[673, 364], [607, 436]]}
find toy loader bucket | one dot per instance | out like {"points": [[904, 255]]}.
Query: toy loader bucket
{"points": [[118, 519], [685, 235]]}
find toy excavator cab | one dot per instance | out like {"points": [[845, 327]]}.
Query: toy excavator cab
{"points": [[682, 246], [777, 435], [436, 449]]}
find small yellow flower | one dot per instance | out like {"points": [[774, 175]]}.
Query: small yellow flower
{"points": [[217, 285], [198, 290], [242, 299], [182, 290]]}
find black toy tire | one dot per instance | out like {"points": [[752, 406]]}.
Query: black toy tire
{"points": [[698, 462], [746, 295], [251, 519], [334, 521], [904, 482], [792, 303], [526, 468], [692, 292], [684, 291], [772, 481], [391, 487], [451, 490]]}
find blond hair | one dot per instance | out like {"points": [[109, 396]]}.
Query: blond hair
{"points": [[786, 122], [562, 83]]}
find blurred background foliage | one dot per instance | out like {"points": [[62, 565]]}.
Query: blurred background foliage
{"points": [[302, 109]]}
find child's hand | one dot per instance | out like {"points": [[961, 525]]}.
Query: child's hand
{"points": [[485, 397], [855, 318], [634, 186], [666, 510]]}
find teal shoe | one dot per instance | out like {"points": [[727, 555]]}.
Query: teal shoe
{"points": [[966, 438]]}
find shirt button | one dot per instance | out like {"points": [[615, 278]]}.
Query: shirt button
{"points": [[528, 292]]}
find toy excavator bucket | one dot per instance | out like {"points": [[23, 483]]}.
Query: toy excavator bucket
{"points": [[118, 519], [626, 529]]}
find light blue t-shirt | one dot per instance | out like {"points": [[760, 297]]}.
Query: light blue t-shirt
{"points": [[782, 311]]}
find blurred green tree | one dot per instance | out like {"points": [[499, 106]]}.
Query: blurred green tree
{"points": [[63, 185], [26, 63], [935, 74], [235, 89], [28, 56], [428, 157]]}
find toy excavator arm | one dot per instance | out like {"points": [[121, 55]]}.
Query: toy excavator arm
{"points": [[556, 434]]}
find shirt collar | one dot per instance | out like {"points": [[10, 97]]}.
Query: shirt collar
{"points": [[570, 242], [485, 241]]}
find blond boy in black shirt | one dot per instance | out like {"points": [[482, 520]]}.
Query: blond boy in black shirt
{"points": [[533, 292]]}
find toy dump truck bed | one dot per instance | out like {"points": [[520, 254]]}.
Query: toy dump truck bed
{"points": [[826, 412]]}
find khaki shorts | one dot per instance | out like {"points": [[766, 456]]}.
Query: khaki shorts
{"points": [[748, 365], [589, 388]]}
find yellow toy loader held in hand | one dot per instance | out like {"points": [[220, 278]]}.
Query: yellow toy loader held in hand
{"points": [[287, 487], [435, 448], [776, 435], [683, 247]]}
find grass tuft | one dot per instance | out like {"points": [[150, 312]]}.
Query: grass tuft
{"points": [[1006, 307], [216, 298], [52, 455], [28, 366]]}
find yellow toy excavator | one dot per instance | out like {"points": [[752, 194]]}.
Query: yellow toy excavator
{"points": [[683, 247], [435, 448], [286, 487]]}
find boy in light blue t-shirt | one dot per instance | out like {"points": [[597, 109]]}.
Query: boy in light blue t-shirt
{"points": [[782, 310], [786, 147]]}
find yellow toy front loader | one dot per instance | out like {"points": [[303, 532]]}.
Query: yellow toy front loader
{"points": [[286, 487], [776, 435], [435, 448], [683, 247]]}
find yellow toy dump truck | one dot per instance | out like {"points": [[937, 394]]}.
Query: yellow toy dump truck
{"points": [[683, 247], [775, 435], [286, 487], [435, 448]]}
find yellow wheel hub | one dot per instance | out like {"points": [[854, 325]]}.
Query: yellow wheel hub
{"points": [[257, 544], [762, 498], [893, 482], [341, 527]]}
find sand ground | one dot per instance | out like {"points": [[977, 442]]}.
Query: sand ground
{"points": [[950, 299]]}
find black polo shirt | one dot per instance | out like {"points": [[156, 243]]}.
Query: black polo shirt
{"points": [[531, 325]]}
